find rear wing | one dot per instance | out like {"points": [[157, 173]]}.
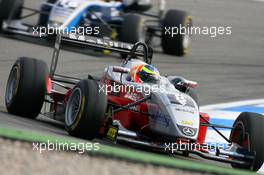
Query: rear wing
{"points": [[82, 41]]}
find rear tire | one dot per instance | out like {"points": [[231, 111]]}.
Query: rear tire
{"points": [[178, 44], [132, 30], [26, 89], [85, 111], [6, 8], [249, 126]]}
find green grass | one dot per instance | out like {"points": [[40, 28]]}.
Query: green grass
{"points": [[121, 153]]}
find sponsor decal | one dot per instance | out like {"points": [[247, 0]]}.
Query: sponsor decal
{"points": [[104, 42], [187, 122], [132, 96], [112, 133], [68, 4], [135, 108], [185, 109], [188, 131], [161, 118]]}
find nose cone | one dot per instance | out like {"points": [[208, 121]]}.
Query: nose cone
{"points": [[177, 115], [185, 115]]}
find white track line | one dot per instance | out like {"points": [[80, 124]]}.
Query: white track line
{"points": [[232, 104]]}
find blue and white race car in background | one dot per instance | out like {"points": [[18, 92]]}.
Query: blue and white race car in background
{"points": [[118, 20]]}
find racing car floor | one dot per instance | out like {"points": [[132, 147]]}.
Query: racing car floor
{"points": [[227, 67]]}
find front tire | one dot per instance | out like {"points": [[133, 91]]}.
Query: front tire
{"points": [[26, 89], [179, 43], [85, 111], [248, 133]]}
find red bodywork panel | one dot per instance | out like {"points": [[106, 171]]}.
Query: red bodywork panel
{"points": [[129, 119], [202, 129], [48, 84]]}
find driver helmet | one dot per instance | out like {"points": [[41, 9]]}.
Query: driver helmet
{"points": [[144, 73]]}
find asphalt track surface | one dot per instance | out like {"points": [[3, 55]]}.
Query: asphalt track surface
{"points": [[228, 68]]}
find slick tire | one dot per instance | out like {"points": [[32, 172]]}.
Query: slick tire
{"points": [[178, 44], [249, 129], [26, 89], [85, 111], [8, 7]]}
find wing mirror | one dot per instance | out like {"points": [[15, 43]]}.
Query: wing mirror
{"points": [[182, 82], [190, 84]]}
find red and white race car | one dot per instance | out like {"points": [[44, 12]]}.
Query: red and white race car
{"points": [[163, 116]]}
